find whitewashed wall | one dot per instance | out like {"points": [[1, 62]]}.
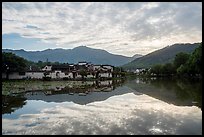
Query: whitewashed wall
{"points": [[16, 75], [3, 75], [78, 75], [40, 75], [61, 75], [70, 75], [106, 75], [109, 67], [90, 76], [35, 75]]}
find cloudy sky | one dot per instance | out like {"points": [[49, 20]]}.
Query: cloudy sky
{"points": [[120, 28]]}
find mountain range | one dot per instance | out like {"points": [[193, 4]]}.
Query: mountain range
{"points": [[81, 53], [161, 56], [99, 56]]}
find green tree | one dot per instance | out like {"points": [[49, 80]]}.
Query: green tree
{"points": [[156, 69], [183, 64], [12, 63], [168, 69], [194, 63], [181, 59], [181, 70], [83, 73], [118, 72]]}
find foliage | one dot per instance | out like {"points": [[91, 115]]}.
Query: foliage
{"points": [[162, 56], [194, 64], [12, 103], [168, 69], [180, 59], [118, 72], [183, 64], [156, 69], [12, 63], [83, 73]]}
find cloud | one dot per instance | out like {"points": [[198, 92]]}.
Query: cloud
{"points": [[32, 27], [137, 24]]}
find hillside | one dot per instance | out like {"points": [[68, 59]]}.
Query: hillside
{"points": [[161, 56], [81, 53]]}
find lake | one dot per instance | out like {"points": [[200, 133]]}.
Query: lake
{"points": [[138, 106]]}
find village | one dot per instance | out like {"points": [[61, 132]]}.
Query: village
{"points": [[81, 70]]}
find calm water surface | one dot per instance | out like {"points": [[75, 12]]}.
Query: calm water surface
{"points": [[135, 106]]}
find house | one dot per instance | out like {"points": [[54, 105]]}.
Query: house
{"points": [[105, 71], [82, 63], [34, 74], [47, 68], [14, 75], [65, 71]]}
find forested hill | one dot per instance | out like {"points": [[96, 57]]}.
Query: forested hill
{"points": [[81, 53], [161, 56]]}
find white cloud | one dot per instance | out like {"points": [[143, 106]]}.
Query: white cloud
{"points": [[139, 25]]}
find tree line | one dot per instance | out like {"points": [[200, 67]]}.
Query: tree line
{"points": [[14, 63], [184, 64]]}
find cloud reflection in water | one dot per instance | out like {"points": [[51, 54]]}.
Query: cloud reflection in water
{"points": [[123, 114]]}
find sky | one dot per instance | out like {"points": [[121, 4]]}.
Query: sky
{"points": [[124, 28]]}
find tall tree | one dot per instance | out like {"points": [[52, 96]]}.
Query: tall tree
{"points": [[180, 59], [12, 63], [194, 63]]}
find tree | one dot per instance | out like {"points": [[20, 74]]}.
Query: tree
{"points": [[180, 59], [194, 63], [181, 70], [117, 71], [183, 64], [12, 63], [12, 103], [156, 69], [83, 73], [93, 73], [168, 69], [97, 74]]}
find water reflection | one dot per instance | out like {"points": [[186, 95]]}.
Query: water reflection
{"points": [[136, 106], [174, 91], [12, 103], [122, 114], [83, 94], [177, 92]]}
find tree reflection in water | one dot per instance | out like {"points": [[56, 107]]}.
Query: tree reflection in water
{"points": [[12, 103], [167, 108], [174, 91]]}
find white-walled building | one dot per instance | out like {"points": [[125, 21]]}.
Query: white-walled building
{"points": [[34, 74], [68, 71], [47, 68]]}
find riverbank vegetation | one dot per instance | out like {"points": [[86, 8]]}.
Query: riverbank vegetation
{"points": [[184, 64]]}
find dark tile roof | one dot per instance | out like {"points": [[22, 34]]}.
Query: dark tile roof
{"points": [[62, 66]]}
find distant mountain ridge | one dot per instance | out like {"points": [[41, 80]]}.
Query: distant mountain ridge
{"points": [[136, 56], [81, 53], [160, 56]]}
